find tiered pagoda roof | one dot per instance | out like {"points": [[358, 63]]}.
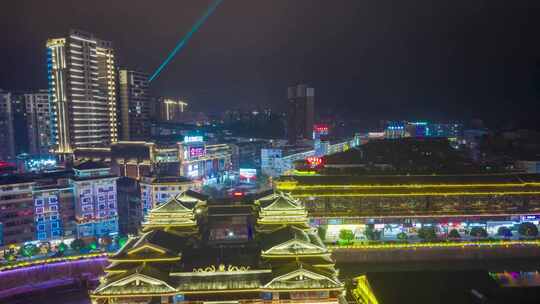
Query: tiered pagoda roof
{"points": [[278, 210], [289, 247], [178, 214], [168, 261], [301, 276]]}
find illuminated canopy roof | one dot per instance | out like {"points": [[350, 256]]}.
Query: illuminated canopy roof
{"points": [[177, 212], [155, 245], [407, 186], [141, 280], [292, 241], [279, 209], [170, 258], [298, 276]]}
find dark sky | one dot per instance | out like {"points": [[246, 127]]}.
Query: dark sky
{"points": [[368, 59]]}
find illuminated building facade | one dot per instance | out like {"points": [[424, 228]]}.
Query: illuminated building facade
{"points": [[171, 109], [279, 161], [198, 160], [82, 89], [191, 159], [38, 122], [300, 113], [169, 262], [157, 190], [395, 204], [320, 138], [16, 209], [54, 210], [96, 208], [7, 136], [420, 129], [135, 105]]}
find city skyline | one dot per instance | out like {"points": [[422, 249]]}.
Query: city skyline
{"points": [[418, 60]]}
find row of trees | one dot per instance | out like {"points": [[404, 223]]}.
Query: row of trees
{"points": [[346, 236], [77, 246]]}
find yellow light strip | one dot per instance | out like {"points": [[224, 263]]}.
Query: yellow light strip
{"points": [[295, 186], [213, 291], [414, 246], [417, 194], [363, 292], [150, 246]]}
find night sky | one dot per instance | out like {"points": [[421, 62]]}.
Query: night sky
{"points": [[367, 59]]}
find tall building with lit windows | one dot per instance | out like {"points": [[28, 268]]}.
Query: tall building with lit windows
{"points": [[134, 96], [7, 136], [38, 122], [82, 92]]}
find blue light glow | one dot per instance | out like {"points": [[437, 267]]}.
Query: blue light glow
{"points": [[186, 38]]}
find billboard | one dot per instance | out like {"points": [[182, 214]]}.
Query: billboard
{"points": [[314, 161], [248, 175], [195, 152], [193, 138]]}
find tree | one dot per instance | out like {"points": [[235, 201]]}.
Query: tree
{"points": [[478, 232], [321, 231], [346, 235], [45, 248], [62, 247], [527, 229], [122, 241], [92, 245], [454, 234], [427, 233], [29, 250], [10, 256], [372, 234], [78, 245], [504, 231], [402, 236]]}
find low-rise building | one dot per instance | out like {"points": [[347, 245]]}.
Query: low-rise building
{"points": [[278, 161], [192, 158], [393, 204], [130, 213], [16, 209], [96, 208], [158, 189], [54, 209]]}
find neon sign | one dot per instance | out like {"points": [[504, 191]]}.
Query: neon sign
{"points": [[192, 139], [248, 175], [320, 129], [314, 161], [196, 151]]}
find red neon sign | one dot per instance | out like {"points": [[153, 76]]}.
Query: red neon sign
{"points": [[314, 161], [320, 129]]}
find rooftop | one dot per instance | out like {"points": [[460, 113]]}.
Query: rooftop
{"points": [[91, 165], [13, 179]]}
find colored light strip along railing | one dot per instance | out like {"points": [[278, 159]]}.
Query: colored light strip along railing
{"points": [[285, 185], [414, 246], [335, 193], [38, 262]]}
